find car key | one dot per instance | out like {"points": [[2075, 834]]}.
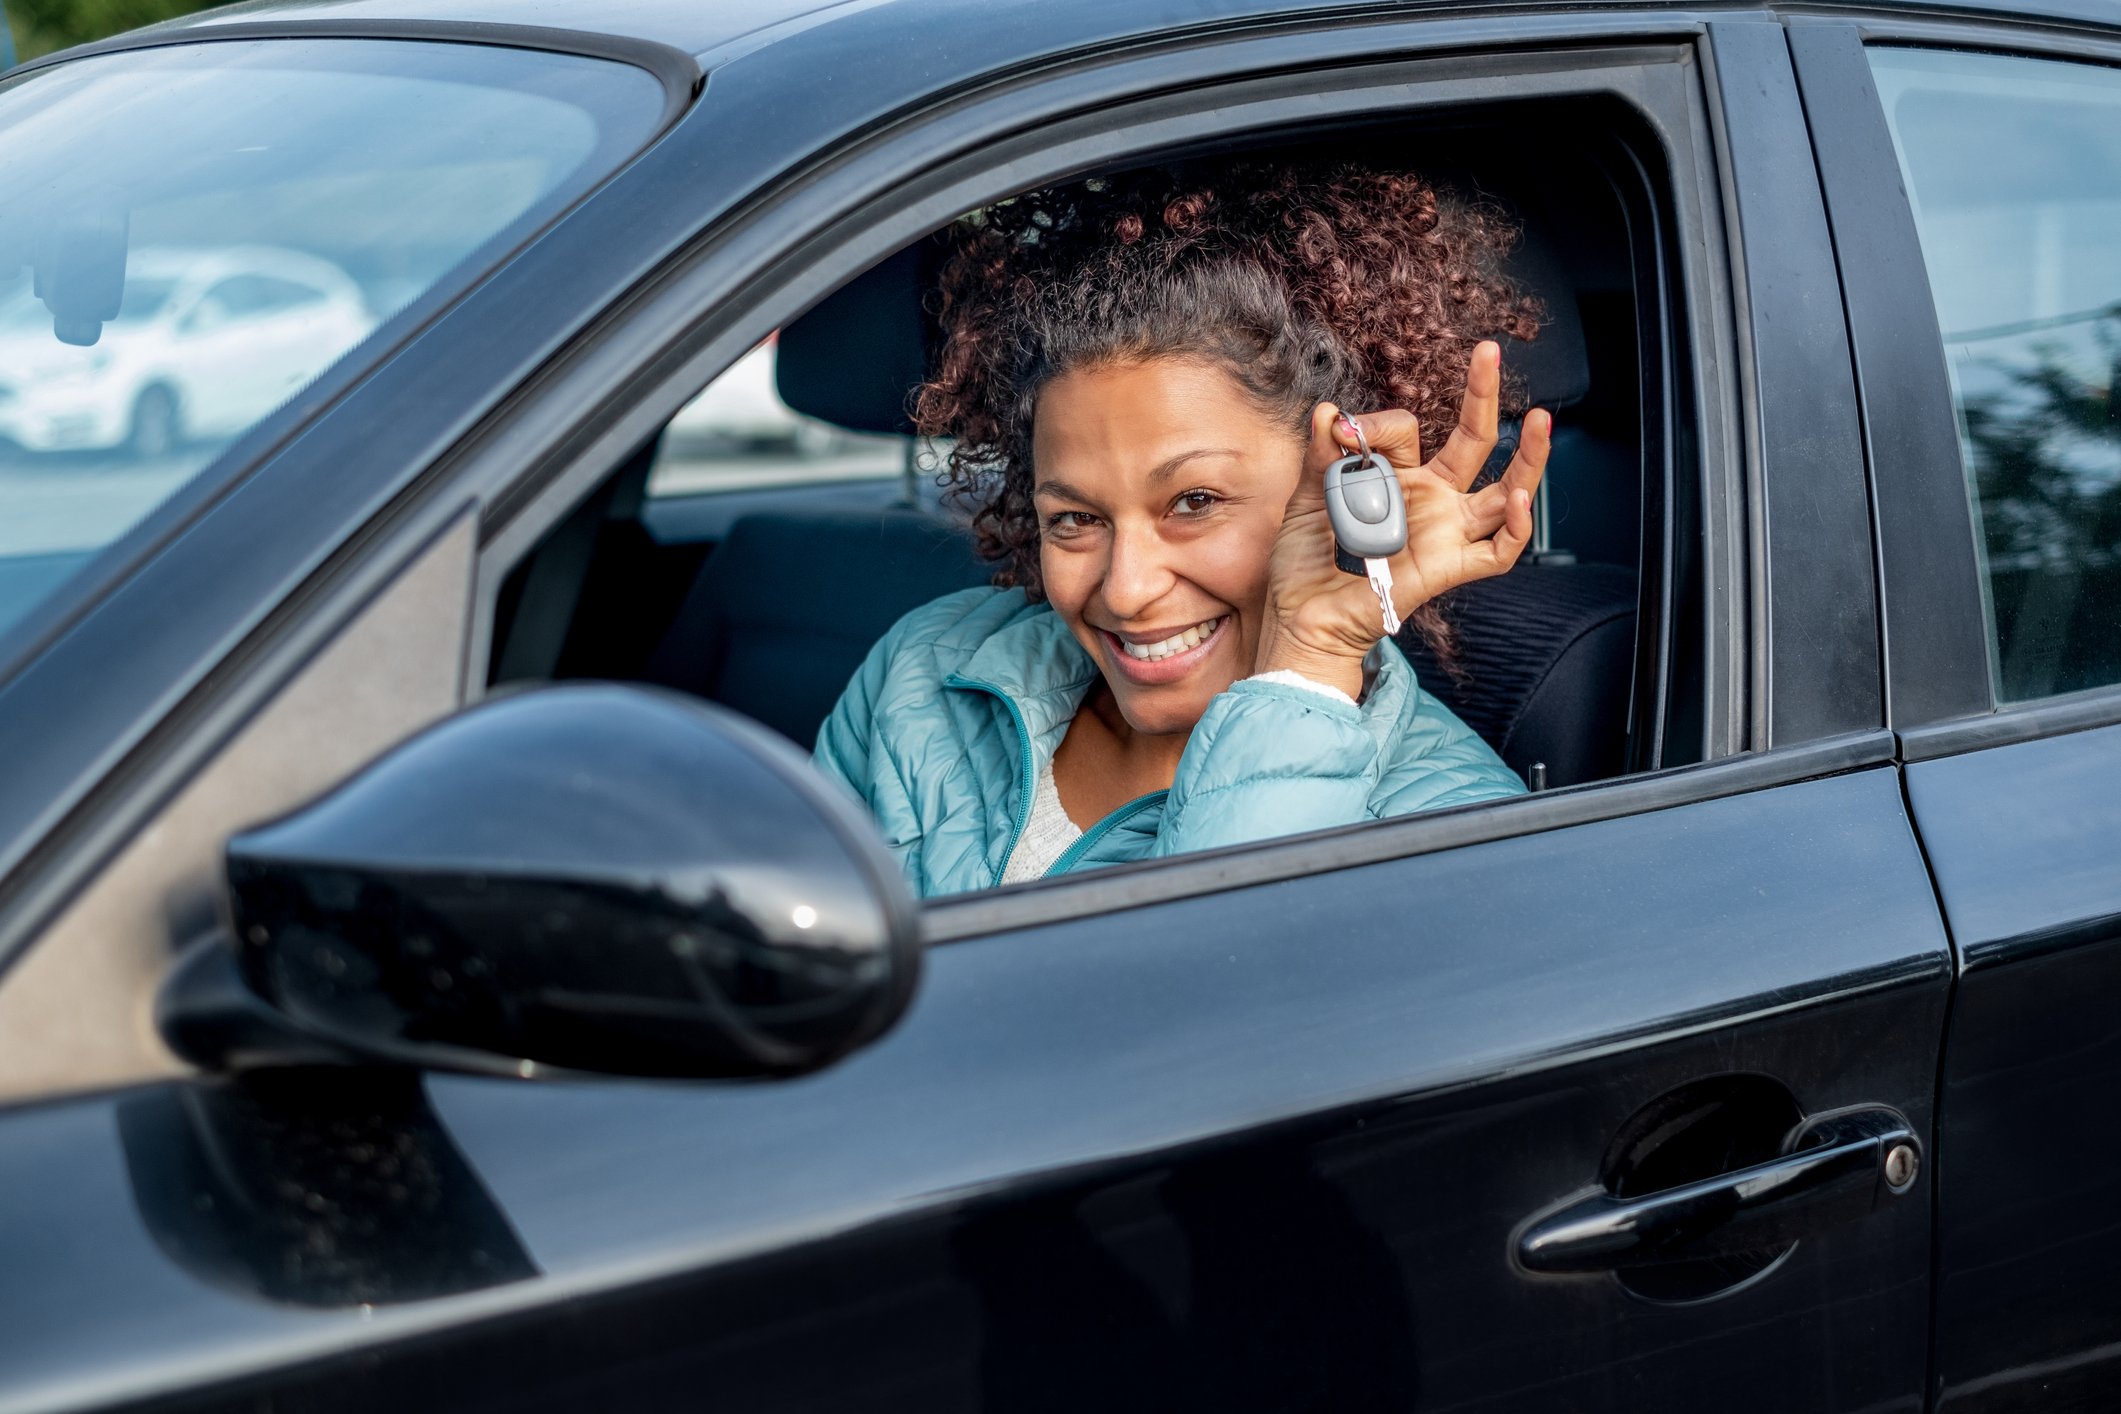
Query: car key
{"points": [[1369, 518]]}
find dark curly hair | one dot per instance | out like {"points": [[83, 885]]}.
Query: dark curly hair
{"points": [[1305, 282]]}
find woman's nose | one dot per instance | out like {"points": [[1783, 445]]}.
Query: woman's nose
{"points": [[1138, 572]]}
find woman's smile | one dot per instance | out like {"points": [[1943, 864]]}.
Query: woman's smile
{"points": [[1153, 658]]}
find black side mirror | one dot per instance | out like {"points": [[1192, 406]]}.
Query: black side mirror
{"points": [[589, 878]]}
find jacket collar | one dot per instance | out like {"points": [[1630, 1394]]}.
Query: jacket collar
{"points": [[1035, 662]]}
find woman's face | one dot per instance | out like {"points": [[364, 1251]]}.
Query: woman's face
{"points": [[1159, 488]]}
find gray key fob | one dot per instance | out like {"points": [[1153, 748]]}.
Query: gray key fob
{"points": [[1368, 515]]}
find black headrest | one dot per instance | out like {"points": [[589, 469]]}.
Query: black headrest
{"points": [[1555, 367], [855, 359]]}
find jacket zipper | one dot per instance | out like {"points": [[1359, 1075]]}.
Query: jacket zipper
{"points": [[1074, 852], [1025, 783]]}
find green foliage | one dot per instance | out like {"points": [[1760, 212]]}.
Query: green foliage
{"points": [[44, 25]]}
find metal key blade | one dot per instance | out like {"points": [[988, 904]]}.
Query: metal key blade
{"points": [[1380, 572]]}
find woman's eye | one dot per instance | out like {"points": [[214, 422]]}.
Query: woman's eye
{"points": [[1062, 524], [1196, 503]]}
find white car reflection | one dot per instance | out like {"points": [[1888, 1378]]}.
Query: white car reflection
{"points": [[741, 412], [206, 343]]}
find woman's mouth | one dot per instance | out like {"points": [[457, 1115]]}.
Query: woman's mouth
{"points": [[1167, 659]]}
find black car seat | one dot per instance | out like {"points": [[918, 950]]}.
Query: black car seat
{"points": [[1543, 667], [759, 631]]}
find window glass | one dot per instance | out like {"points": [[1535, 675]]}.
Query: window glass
{"points": [[738, 435], [188, 237], [2014, 169]]}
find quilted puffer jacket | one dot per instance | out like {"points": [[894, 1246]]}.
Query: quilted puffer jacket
{"points": [[944, 730]]}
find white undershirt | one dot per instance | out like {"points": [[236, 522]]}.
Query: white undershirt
{"points": [[1048, 832]]}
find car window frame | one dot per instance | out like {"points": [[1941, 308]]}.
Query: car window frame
{"points": [[1940, 695], [1747, 761]]}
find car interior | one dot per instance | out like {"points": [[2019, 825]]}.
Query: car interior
{"points": [[764, 593]]}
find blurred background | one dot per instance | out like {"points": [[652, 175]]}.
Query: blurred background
{"points": [[40, 26]]}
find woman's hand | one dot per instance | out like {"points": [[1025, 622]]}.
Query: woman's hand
{"points": [[1321, 621]]}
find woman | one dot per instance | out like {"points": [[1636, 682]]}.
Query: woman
{"points": [[1146, 378]]}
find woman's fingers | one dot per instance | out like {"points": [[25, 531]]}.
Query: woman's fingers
{"points": [[1529, 463], [1393, 433], [1496, 554], [1483, 509], [1466, 452], [1499, 550]]}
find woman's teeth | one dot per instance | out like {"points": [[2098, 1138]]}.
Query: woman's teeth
{"points": [[1176, 643]]}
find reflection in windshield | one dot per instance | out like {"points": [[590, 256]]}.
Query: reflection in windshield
{"points": [[189, 238]]}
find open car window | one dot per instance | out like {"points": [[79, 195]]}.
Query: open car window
{"points": [[785, 519]]}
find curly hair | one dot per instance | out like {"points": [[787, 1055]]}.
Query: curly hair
{"points": [[1305, 282]]}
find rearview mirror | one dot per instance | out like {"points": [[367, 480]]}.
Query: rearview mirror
{"points": [[80, 272], [583, 878]]}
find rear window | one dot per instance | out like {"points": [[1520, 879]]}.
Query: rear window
{"points": [[190, 235], [2014, 169]]}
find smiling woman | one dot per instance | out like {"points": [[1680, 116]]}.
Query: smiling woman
{"points": [[1146, 377]]}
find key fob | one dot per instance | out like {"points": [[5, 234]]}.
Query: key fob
{"points": [[1368, 514]]}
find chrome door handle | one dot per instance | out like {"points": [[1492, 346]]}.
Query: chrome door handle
{"points": [[1842, 1166]]}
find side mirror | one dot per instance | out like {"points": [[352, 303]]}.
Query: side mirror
{"points": [[587, 878]]}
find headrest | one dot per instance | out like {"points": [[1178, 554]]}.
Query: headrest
{"points": [[1555, 368], [856, 358]]}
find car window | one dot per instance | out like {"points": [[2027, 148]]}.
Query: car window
{"points": [[2014, 169], [761, 575], [139, 175], [738, 434]]}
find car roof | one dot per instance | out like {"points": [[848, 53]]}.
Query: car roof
{"points": [[710, 28]]}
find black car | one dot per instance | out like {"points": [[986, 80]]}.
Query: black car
{"points": [[576, 1049]]}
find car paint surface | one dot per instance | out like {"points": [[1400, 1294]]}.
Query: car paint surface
{"points": [[1104, 1058]]}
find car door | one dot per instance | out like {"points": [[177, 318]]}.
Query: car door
{"points": [[1358, 1120], [1994, 427]]}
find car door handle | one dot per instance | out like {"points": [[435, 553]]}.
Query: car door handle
{"points": [[1841, 1166]]}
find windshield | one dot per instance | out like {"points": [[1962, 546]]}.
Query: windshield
{"points": [[191, 235]]}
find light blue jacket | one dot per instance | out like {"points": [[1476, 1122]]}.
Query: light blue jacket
{"points": [[945, 728]]}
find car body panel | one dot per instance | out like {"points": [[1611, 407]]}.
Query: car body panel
{"points": [[2016, 806], [1448, 1040], [2023, 840]]}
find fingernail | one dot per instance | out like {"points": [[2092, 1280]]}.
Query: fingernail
{"points": [[1347, 426]]}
